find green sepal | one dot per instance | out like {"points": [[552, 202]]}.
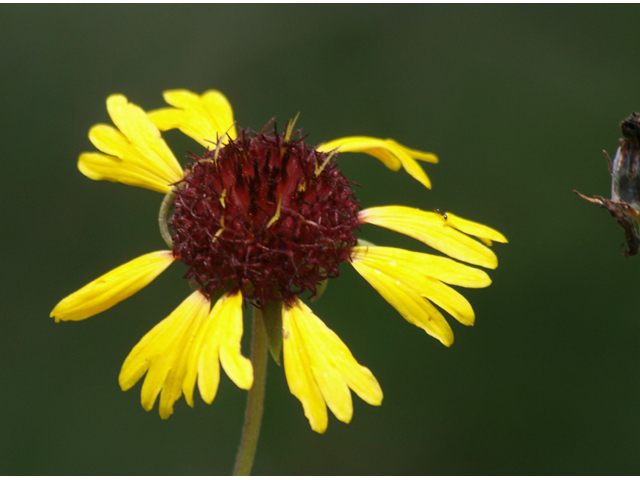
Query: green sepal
{"points": [[217, 295], [320, 288], [272, 317], [364, 243]]}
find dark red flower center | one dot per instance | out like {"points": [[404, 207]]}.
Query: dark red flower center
{"points": [[266, 215]]}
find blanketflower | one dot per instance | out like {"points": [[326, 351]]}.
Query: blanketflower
{"points": [[262, 217]]}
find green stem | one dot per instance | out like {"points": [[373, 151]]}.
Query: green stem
{"points": [[255, 399], [162, 217]]}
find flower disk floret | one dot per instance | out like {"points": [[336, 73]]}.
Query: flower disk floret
{"points": [[266, 215]]}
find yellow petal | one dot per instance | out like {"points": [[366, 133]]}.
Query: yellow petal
{"points": [[97, 166], [372, 146], [204, 364], [401, 270], [388, 151], [432, 229], [164, 353], [136, 126], [325, 342], [320, 368], [113, 287], [409, 164], [112, 142], [237, 367], [205, 118], [442, 268], [483, 232], [417, 154], [297, 367], [136, 153], [407, 301], [220, 338]]}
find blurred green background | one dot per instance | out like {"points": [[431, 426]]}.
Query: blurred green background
{"points": [[517, 101]]}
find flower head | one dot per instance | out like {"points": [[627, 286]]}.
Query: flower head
{"points": [[264, 217]]}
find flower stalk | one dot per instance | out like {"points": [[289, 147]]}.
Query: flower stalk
{"points": [[255, 399]]}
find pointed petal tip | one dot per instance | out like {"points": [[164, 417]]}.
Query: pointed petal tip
{"points": [[446, 340], [468, 321], [346, 419], [207, 397], [244, 382], [318, 428], [148, 406], [421, 177], [125, 381], [165, 413], [498, 237]]}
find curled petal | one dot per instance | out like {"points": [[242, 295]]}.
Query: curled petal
{"points": [[407, 300], [205, 118], [320, 369], [388, 151], [135, 154], [113, 287], [434, 230], [163, 354], [218, 342]]}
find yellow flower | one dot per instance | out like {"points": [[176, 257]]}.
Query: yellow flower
{"points": [[263, 217]]}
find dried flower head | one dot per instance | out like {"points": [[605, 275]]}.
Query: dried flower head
{"points": [[624, 205]]}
